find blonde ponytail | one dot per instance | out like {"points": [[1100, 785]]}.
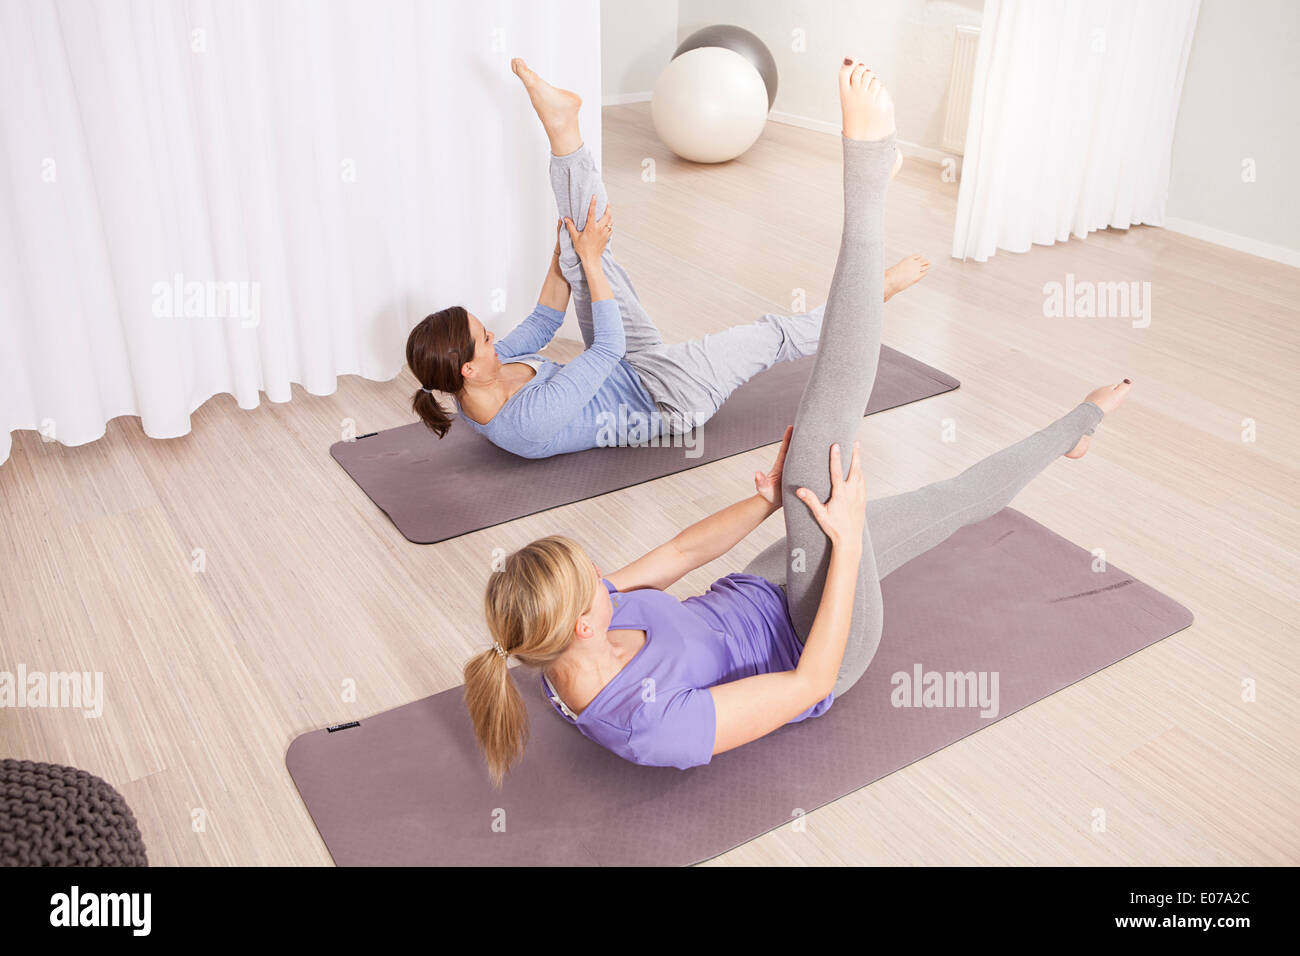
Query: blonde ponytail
{"points": [[531, 607], [498, 711]]}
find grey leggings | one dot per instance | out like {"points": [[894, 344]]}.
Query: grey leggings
{"points": [[903, 526], [689, 381]]}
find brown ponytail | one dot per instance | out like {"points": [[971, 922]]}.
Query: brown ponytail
{"points": [[435, 350], [531, 606]]}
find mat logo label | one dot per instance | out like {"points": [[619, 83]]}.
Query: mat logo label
{"points": [[53, 689], [1084, 299], [131, 910], [922, 688]]}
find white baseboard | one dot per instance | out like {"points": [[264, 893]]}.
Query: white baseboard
{"points": [[618, 99], [912, 150], [1265, 250]]}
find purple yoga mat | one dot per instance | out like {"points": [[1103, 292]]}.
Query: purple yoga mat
{"points": [[409, 472], [408, 786]]}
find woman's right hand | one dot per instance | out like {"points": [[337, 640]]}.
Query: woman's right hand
{"points": [[843, 516], [590, 243]]}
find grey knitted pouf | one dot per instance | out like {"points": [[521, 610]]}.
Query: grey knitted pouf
{"points": [[62, 816]]}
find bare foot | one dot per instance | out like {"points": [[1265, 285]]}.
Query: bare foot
{"points": [[556, 108], [867, 106], [906, 272], [1107, 398]]}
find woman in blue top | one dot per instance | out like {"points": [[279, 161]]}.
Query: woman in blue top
{"points": [[629, 387], [671, 683]]}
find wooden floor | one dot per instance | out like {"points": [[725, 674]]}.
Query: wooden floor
{"points": [[308, 589]]}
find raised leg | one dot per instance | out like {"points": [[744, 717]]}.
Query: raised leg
{"points": [[574, 180], [844, 370]]}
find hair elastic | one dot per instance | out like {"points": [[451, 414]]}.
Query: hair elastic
{"points": [[501, 651]]}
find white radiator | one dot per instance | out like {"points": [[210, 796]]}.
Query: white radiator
{"points": [[960, 82]]}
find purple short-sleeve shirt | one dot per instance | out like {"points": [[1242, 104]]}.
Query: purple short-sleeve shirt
{"points": [[658, 710]]}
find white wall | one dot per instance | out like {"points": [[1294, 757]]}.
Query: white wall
{"points": [[1241, 100], [909, 42], [637, 39]]}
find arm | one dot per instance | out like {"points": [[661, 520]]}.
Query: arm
{"points": [[695, 547], [566, 392], [708, 539], [753, 707], [561, 397], [532, 334], [555, 288], [590, 244]]}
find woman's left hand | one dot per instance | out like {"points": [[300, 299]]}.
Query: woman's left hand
{"points": [[769, 486]]}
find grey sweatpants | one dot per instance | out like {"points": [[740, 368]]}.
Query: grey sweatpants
{"points": [[689, 381], [901, 527]]}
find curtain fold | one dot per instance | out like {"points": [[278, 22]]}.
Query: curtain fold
{"points": [[1072, 120], [314, 176]]}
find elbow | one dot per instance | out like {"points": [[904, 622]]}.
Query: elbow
{"points": [[607, 323], [816, 688], [827, 688]]}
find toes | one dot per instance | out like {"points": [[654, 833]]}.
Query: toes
{"points": [[859, 71]]}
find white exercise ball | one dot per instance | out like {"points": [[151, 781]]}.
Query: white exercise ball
{"points": [[709, 105]]}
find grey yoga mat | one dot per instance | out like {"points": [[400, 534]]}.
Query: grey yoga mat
{"points": [[419, 481], [1005, 596]]}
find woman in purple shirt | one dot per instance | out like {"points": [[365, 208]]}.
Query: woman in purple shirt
{"points": [[665, 682]]}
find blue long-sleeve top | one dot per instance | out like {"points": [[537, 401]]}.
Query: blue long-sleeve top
{"points": [[567, 407]]}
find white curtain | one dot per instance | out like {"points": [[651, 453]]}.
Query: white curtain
{"points": [[1072, 120], [313, 176]]}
